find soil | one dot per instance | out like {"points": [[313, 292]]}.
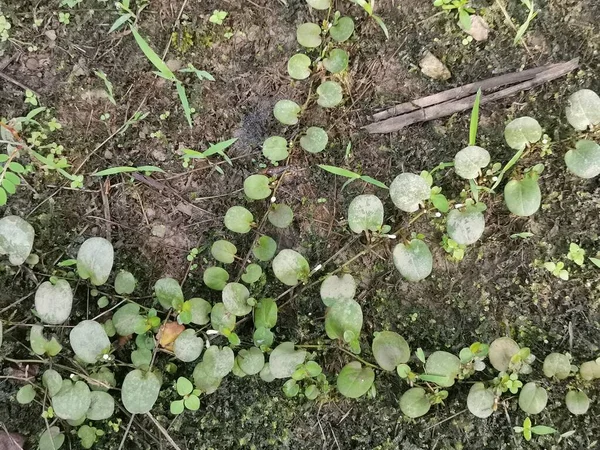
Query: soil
{"points": [[500, 288]]}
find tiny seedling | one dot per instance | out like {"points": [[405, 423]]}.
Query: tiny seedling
{"points": [[527, 430], [530, 16], [557, 269], [462, 9], [369, 7], [109, 86], [217, 17], [352, 176], [190, 400], [576, 254]]}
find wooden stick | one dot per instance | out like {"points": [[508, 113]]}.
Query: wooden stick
{"points": [[451, 107]]}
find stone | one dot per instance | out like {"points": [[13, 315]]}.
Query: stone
{"points": [[433, 67]]}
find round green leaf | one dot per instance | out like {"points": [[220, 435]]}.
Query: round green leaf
{"points": [[16, 237], [390, 350], [89, 341], [584, 161], [140, 391], [51, 439], [311, 392], [365, 213], [192, 402], [235, 298], [319, 4], [168, 292], [443, 364], [266, 375], [341, 317], [481, 401], [52, 381], [314, 140], [523, 197], [521, 132], [414, 403], [335, 289], [256, 187], [223, 251], [589, 370], [238, 219], [330, 94], [577, 402], [533, 398], [286, 111], [251, 361], [127, 319], [465, 227], [342, 29], [414, 260], [188, 347], [102, 406], [215, 278], [53, 302], [501, 351], [218, 361], [26, 394], [299, 66], [290, 267], [95, 260], [200, 310], [408, 191], [252, 273], [285, 359], [263, 337], [280, 216], [177, 407], [309, 35], [265, 248], [470, 160], [204, 380], [72, 401], [184, 386], [102, 380], [337, 61], [557, 365], [354, 381], [125, 283], [275, 149], [221, 319], [265, 313], [583, 109]]}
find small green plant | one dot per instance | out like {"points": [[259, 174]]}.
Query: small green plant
{"points": [[369, 7], [31, 98], [528, 431], [217, 17], [109, 86], [352, 176], [190, 400], [64, 18], [576, 254], [4, 28], [461, 7], [532, 14], [557, 269]]}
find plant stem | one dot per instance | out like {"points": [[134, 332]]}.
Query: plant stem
{"points": [[358, 358]]}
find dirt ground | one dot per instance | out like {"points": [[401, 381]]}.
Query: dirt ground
{"points": [[498, 288]]}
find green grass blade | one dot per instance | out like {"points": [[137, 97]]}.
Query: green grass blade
{"points": [[218, 147], [474, 119], [373, 181], [119, 22], [152, 56], [127, 169], [339, 171], [382, 25], [184, 102]]}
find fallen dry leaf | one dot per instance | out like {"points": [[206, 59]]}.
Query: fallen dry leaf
{"points": [[11, 441], [168, 333]]}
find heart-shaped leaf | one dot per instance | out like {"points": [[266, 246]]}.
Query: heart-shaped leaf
{"points": [[223, 251], [16, 239], [577, 402], [287, 111], [256, 187], [265, 248], [330, 94], [501, 351], [72, 401], [95, 260], [89, 341], [584, 161], [533, 398], [408, 191], [275, 148], [290, 267], [557, 365], [523, 197], [218, 361], [319, 4], [314, 140], [365, 213], [280, 216], [238, 219], [465, 227], [481, 401], [200, 310], [470, 160], [52, 381], [127, 319], [413, 260], [188, 346], [336, 61], [204, 380], [445, 365], [51, 439], [215, 278], [125, 283], [334, 289], [309, 35], [252, 273], [251, 361], [583, 109], [235, 298], [285, 359], [354, 381], [53, 303], [221, 319], [40, 345], [414, 403], [341, 317], [521, 132], [299, 66], [589, 370], [342, 29], [139, 391], [102, 406], [265, 313], [168, 292], [390, 350]]}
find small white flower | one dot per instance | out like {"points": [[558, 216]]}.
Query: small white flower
{"points": [[273, 199], [438, 214]]}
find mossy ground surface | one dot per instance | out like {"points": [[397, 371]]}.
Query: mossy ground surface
{"points": [[496, 290]]}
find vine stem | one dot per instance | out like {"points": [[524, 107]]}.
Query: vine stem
{"points": [[358, 358]]}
